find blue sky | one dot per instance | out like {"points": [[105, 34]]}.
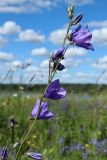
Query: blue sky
{"points": [[30, 30]]}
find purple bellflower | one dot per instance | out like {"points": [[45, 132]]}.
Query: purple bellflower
{"points": [[34, 155], [54, 91], [59, 66], [3, 153], [43, 113], [81, 37], [59, 54]]}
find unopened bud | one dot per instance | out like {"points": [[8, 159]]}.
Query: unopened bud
{"points": [[17, 144], [77, 19], [71, 11]]}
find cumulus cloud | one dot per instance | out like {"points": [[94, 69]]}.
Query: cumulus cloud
{"points": [[98, 23], [25, 6], [39, 51], [32, 69], [101, 63], [85, 76], [9, 27], [45, 63], [71, 62], [35, 6], [6, 56], [99, 36], [3, 41], [31, 35], [81, 2], [57, 36], [75, 52]]}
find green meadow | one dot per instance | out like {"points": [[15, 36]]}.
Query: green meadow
{"points": [[77, 132]]}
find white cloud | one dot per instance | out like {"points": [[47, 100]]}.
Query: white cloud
{"points": [[39, 51], [85, 76], [71, 62], [57, 36], [13, 65], [81, 2], [3, 41], [98, 23], [75, 52], [25, 6], [45, 63], [31, 35], [103, 60], [100, 36], [32, 69], [17, 63], [101, 63], [6, 56], [65, 78], [10, 27]]}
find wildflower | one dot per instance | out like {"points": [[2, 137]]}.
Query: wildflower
{"points": [[54, 91], [59, 54], [43, 113], [3, 153], [59, 66], [81, 37], [12, 122], [34, 155]]}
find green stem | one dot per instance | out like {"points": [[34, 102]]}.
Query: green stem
{"points": [[24, 140], [12, 134], [28, 133], [68, 28], [18, 156]]}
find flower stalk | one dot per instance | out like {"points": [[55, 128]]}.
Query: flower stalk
{"points": [[53, 90]]}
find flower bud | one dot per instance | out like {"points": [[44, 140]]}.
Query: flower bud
{"points": [[17, 144], [71, 11], [77, 19]]}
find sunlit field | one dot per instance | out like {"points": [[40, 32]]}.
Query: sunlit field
{"points": [[77, 132]]}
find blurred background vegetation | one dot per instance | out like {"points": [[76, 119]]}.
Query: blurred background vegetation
{"points": [[78, 130]]}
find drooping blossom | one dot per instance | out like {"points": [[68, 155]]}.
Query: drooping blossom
{"points": [[54, 91], [3, 153], [59, 54], [34, 155], [58, 66], [43, 113], [81, 37]]}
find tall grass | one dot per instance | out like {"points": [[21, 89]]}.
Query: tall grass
{"points": [[78, 131]]}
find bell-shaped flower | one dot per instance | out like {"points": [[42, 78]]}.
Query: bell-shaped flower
{"points": [[43, 112], [54, 91], [34, 155], [59, 54], [3, 153], [81, 37], [58, 66]]}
